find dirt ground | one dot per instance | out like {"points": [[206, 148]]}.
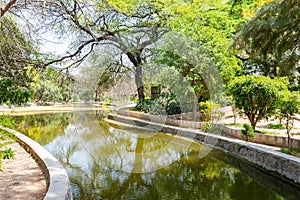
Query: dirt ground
{"points": [[21, 178], [262, 125]]}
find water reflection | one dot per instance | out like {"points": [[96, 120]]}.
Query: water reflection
{"points": [[104, 162]]}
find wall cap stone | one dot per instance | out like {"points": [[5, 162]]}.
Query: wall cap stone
{"points": [[56, 175]]}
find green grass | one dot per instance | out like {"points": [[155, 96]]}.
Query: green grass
{"points": [[8, 153], [6, 138], [265, 132], [236, 125], [275, 126]]}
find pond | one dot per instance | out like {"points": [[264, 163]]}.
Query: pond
{"points": [[106, 162]]}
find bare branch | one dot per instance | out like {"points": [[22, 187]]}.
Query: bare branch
{"points": [[77, 52], [7, 7]]}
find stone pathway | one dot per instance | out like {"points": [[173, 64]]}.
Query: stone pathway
{"points": [[21, 178]]}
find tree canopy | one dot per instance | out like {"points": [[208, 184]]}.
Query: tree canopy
{"points": [[264, 33], [19, 64], [269, 42], [91, 23], [257, 96]]}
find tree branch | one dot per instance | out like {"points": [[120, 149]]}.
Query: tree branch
{"points": [[77, 52], [7, 7]]}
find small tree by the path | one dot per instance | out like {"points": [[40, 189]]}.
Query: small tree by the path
{"points": [[248, 132], [289, 105], [256, 96]]}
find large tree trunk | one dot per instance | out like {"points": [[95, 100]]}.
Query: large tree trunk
{"points": [[137, 62], [139, 82], [195, 109]]}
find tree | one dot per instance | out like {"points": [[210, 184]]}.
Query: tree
{"points": [[269, 42], [54, 86], [19, 62], [5, 8], [289, 105], [90, 23], [99, 73], [212, 25], [247, 132], [12, 94], [256, 96], [206, 63], [193, 64]]}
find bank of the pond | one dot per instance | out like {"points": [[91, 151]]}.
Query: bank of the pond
{"points": [[31, 110], [58, 186], [282, 165], [21, 177]]}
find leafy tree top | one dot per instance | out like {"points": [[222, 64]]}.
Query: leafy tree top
{"points": [[270, 41], [257, 96]]}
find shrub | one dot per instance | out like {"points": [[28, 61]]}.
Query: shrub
{"points": [[173, 107], [206, 127], [248, 132], [287, 151], [106, 103], [7, 121], [7, 154], [163, 104], [210, 111], [144, 105]]}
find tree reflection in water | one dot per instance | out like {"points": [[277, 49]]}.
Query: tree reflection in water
{"points": [[104, 162]]}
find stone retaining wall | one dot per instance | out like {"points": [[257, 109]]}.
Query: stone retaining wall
{"points": [[283, 165], [56, 176], [273, 140]]}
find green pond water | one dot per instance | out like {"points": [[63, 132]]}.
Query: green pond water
{"points": [[106, 162]]}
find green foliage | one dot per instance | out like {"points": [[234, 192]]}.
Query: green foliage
{"points": [[11, 93], [7, 121], [275, 126], [164, 104], [210, 111], [284, 150], [144, 105], [289, 103], [173, 107], [53, 86], [7, 154], [215, 129], [236, 125], [211, 24], [206, 127], [288, 106], [106, 103], [256, 96], [269, 42], [287, 151], [265, 132], [19, 62], [6, 138], [48, 92], [248, 132], [238, 147]]}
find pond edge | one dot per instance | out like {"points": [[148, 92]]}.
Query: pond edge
{"points": [[58, 185], [282, 165]]}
